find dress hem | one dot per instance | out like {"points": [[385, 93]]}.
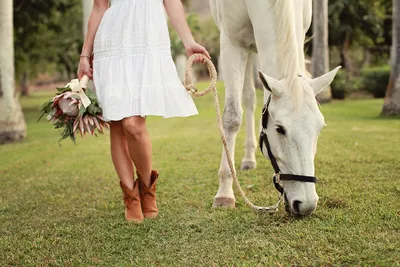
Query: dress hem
{"points": [[119, 118]]}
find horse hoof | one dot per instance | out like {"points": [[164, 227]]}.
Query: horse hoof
{"points": [[248, 165], [227, 202]]}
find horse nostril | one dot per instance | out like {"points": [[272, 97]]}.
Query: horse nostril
{"points": [[296, 206]]}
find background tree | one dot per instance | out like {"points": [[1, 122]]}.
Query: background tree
{"points": [[391, 104], [12, 123], [29, 46], [320, 52], [48, 35], [358, 24], [67, 27]]}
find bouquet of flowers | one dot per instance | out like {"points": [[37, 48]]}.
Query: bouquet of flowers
{"points": [[75, 108]]}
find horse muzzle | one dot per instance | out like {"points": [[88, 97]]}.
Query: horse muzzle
{"points": [[300, 207]]}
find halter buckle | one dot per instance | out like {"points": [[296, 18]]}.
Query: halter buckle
{"points": [[277, 177]]}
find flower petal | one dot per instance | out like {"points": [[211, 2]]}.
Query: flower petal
{"points": [[76, 122], [97, 123], [81, 126], [90, 119], [87, 126]]}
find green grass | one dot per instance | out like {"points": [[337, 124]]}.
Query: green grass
{"points": [[63, 206]]}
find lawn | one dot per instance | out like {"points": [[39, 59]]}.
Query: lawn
{"points": [[61, 205]]}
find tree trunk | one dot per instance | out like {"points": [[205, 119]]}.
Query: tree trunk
{"points": [[320, 56], [391, 106], [24, 84], [12, 123], [346, 57], [367, 59], [87, 9]]}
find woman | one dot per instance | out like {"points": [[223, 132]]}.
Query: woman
{"points": [[135, 76]]}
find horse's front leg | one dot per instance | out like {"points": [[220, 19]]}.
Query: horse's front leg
{"points": [[249, 102], [234, 59]]}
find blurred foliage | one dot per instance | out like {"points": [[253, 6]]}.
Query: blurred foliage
{"points": [[360, 33], [47, 31], [343, 85], [376, 79], [360, 36], [360, 26], [363, 21]]}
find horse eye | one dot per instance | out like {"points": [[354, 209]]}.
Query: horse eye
{"points": [[281, 130]]}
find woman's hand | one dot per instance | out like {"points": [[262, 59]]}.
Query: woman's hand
{"points": [[85, 68], [193, 48]]}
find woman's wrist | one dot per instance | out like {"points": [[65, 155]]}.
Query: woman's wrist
{"points": [[188, 41], [84, 59]]}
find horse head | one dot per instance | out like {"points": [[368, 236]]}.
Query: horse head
{"points": [[293, 124]]}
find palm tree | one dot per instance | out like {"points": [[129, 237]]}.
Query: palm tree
{"points": [[12, 123], [391, 105], [320, 56]]}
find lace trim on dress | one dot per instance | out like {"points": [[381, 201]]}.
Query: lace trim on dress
{"points": [[163, 50]]}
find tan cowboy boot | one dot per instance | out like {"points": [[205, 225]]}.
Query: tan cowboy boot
{"points": [[133, 210], [148, 196]]}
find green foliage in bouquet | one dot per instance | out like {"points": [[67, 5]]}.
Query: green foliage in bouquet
{"points": [[67, 112]]}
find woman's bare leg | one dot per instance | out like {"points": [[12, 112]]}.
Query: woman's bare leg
{"points": [[139, 146], [120, 154]]}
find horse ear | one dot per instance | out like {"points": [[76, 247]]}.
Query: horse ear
{"points": [[318, 84], [271, 84]]}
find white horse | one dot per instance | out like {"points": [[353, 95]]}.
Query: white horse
{"points": [[275, 29]]}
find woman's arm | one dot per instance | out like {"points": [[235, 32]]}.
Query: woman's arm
{"points": [[177, 16], [99, 8]]}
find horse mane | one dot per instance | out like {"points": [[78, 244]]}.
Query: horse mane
{"points": [[287, 56]]}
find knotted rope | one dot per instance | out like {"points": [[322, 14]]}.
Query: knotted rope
{"points": [[192, 90]]}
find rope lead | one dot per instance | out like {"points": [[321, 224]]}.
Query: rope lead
{"points": [[192, 90]]}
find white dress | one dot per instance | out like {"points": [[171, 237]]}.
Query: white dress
{"points": [[133, 70]]}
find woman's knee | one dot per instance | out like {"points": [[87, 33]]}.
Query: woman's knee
{"points": [[134, 127]]}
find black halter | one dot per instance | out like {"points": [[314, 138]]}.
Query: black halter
{"points": [[278, 175]]}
